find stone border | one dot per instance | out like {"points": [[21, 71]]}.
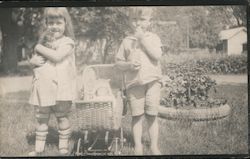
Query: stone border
{"points": [[196, 114]]}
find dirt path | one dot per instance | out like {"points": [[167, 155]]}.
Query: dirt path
{"points": [[15, 84], [230, 79]]}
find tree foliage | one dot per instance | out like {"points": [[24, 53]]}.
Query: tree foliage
{"points": [[101, 26], [198, 26], [99, 30]]}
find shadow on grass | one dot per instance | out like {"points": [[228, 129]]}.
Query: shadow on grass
{"points": [[75, 135], [87, 141], [52, 137]]}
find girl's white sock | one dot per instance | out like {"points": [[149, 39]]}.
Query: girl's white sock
{"points": [[40, 141], [64, 141]]}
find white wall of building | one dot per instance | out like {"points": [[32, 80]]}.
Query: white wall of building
{"points": [[235, 43]]}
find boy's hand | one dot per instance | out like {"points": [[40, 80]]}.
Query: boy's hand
{"points": [[139, 33], [37, 60], [135, 65]]}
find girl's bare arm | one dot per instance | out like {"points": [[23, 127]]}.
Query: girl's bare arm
{"points": [[54, 55]]}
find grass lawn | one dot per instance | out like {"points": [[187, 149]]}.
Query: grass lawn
{"points": [[225, 136]]}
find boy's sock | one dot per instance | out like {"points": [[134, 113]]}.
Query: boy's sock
{"points": [[64, 141], [40, 141]]}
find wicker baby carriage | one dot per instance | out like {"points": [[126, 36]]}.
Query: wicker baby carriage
{"points": [[98, 111]]}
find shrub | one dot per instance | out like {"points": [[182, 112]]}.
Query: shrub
{"points": [[187, 87], [224, 65], [210, 63]]}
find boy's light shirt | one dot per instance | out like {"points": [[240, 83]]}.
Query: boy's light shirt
{"points": [[150, 69]]}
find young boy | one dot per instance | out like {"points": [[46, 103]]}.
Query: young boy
{"points": [[138, 57]]}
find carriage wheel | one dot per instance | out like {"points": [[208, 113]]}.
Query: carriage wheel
{"points": [[72, 147], [85, 137], [116, 152], [122, 139], [119, 143], [106, 137], [78, 148]]}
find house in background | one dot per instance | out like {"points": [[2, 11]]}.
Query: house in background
{"points": [[234, 41]]}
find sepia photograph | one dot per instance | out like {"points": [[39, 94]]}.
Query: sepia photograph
{"points": [[124, 80]]}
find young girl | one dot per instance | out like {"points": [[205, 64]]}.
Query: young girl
{"points": [[138, 57], [54, 88]]}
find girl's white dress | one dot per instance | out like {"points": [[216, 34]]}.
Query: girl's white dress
{"points": [[55, 82]]}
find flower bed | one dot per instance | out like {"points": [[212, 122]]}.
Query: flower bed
{"points": [[186, 95]]}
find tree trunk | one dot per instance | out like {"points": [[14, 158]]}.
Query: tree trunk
{"points": [[104, 50], [10, 39]]}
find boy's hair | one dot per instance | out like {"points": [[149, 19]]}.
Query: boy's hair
{"points": [[136, 12], [60, 12]]}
